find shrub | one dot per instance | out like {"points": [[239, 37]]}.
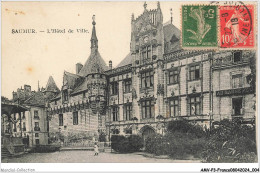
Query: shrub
{"points": [[116, 142], [156, 144], [184, 126], [150, 144], [231, 142], [135, 143], [247, 158], [180, 145], [102, 137], [124, 144], [181, 140]]}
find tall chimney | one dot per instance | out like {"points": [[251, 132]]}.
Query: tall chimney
{"points": [[110, 65], [171, 15], [15, 96], [78, 67], [27, 88]]}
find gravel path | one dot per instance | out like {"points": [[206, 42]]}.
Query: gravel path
{"points": [[88, 157]]}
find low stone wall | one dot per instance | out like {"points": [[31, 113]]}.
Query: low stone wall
{"points": [[81, 143]]}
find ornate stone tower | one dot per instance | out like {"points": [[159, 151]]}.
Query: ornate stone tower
{"points": [[147, 49], [96, 81], [147, 36]]}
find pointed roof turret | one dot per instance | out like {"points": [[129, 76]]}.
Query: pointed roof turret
{"points": [[171, 15], [158, 5], [51, 85], [94, 40], [133, 17], [95, 63], [145, 6]]}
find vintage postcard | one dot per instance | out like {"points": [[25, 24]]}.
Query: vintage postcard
{"points": [[129, 82]]}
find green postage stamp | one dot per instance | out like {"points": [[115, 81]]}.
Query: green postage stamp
{"points": [[199, 26]]}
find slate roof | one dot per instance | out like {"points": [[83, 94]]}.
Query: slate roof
{"points": [[58, 96], [127, 60], [171, 34], [94, 64], [51, 85], [37, 99], [170, 31], [81, 87], [94, 35], [71, 80]]}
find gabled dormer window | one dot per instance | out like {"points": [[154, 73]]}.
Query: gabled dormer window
{"points": [[65, 95]]}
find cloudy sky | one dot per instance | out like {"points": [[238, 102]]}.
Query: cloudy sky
{"points": [[27, 58]]}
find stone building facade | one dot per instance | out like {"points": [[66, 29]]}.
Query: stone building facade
{"points": [[155, 83], [31, 125], [233, 93], [79, 110]]}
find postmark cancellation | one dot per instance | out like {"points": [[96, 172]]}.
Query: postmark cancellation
{"points": [[218, 26]]}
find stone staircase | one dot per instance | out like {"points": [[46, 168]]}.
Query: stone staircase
{"points": [[5, 153], [11, 146]]}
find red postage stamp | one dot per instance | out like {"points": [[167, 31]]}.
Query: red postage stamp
{"points": [[237, 26]]}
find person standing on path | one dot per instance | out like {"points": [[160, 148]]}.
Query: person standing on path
{"points": [[96, 149]]}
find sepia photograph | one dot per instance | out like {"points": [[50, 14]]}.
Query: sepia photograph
{"points": [[129, 82]]}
